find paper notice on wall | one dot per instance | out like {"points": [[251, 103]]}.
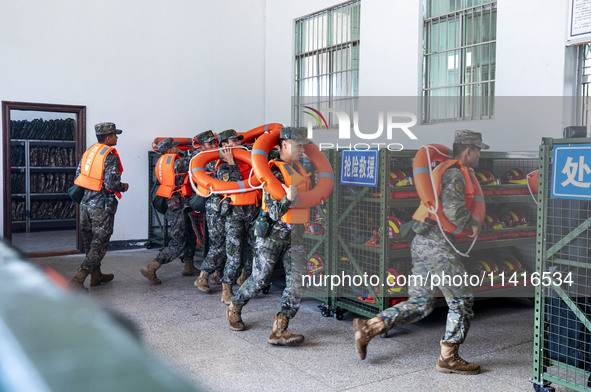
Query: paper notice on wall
{"points": [[579, 16]]}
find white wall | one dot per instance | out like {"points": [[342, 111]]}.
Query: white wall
{"points": [[179, 67], [530, 67], [171, 68]]}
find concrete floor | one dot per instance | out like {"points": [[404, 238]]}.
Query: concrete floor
{"points": [[189, 330]]}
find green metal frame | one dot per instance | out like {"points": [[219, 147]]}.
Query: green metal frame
{"points": [[545, 255], [384, 203]]}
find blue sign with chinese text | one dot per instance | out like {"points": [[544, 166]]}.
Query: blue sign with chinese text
{"points": [[571, 172], [359, 167]]}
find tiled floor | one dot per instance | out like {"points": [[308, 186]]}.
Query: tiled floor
{"points": [[189, 330]]}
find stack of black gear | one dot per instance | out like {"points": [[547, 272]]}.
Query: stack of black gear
{"points": [[42, 130], [62, 209], [18, 210], [47, 156], [51, 182]]}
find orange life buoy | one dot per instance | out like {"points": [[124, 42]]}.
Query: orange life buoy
{"points": [[422, 175], [532, 183], [254, 133], [262, 171], [204, 184], [185, 143]]}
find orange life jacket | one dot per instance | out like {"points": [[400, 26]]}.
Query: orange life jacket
{"points": [[474, 201], [300, 179], [245, 198], [165, 174], [92, 167]]}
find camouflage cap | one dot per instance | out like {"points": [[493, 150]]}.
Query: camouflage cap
{"points": [[106, 128], [166, 144], [229, 134], [466, 136], [205, 137], [297, 134]]}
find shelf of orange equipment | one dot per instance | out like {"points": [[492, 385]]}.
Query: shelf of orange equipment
{"points": [[359, 211]]}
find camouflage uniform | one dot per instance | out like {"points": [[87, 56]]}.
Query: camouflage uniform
{"points": [[432, 255], [97, 214], [237, 225], [182, 238], [283, 240], [216, 254]]}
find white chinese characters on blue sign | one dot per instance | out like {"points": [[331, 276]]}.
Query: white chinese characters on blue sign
{"points": [[359, 167], [571, 172]]}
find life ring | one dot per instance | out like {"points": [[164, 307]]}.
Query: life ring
{"points": [[185, 143], [532, 184], [262, 171], [254, 133], [203, 184], [426, 188]]}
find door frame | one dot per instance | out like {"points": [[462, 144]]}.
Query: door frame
{"points": [[80, 139]]}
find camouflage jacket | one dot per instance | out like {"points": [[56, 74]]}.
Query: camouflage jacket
{"points": [[111, 181], [453, 202]]}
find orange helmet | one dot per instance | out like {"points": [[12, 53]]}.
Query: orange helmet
{"points": [[315, 265], [491, 221], [514, 218], [394, 225], [399, 178], [513, 176], [485, 177]]}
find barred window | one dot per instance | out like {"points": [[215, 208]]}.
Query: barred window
{"points": [[327, 60], [459, 60]]}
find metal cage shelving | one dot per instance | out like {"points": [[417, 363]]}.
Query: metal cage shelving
{"points": [[562, 329]]}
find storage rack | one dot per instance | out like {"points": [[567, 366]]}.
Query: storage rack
{"points": [[360, 215], [562, 326], [41, 172]]}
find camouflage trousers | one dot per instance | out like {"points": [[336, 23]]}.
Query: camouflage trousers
{"points": [[239, 242], [216, 254], [96, 226], [279, 245], [182, 238], [432, 257]]}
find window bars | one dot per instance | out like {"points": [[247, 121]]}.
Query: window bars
{"points": [[459, 60], [327, 60]]}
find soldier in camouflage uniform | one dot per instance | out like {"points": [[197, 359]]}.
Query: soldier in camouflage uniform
{"points": [[216, 254], [182, 238], [433, 255], [282, 242], [97, 211], [239, 239]]}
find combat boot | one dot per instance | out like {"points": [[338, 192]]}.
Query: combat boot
{"points": [[216, 277], [451, 362], [189, 269], [280, 337], [149, 271], [366, 330], [97, 277], [243, 276], [234, 314], [202, 282], [78, 280], [227, 293]]}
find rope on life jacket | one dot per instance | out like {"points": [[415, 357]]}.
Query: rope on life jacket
{"points": [[433, 210]]}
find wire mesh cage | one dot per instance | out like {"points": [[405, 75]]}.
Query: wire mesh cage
{"points": [[562, 346]]}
